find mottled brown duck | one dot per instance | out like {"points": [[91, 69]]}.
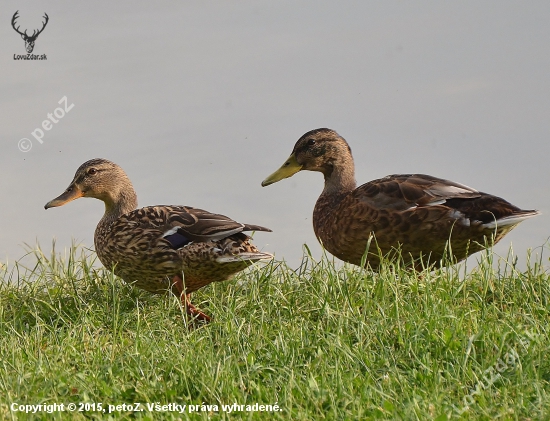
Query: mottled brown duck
{"points": [[416, 214], [160, 248]]}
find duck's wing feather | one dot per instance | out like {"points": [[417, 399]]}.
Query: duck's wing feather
{"points": [[181, 225], [405, 191]]}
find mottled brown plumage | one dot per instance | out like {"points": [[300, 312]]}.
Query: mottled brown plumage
{"points": [[414, 213], [151, 247]]}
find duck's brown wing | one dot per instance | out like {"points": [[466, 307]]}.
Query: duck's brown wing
{"points": [[402, 192], [180, 225], [405, 191]]}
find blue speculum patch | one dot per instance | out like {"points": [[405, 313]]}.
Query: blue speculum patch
{"points": [[177, 240]]}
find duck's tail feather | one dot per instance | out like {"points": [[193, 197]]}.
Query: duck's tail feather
{"points": [[250, 227], [513, 219], [250, 256]]}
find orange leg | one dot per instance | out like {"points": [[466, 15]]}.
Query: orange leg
{"points": [[191, 310]]}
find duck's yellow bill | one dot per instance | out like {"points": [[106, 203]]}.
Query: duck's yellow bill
{"points": [[69, 195], [288, 169]]}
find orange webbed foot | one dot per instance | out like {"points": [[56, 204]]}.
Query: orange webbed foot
{"points": [[191, 310]]}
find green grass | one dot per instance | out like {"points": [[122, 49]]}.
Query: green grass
{"points": [[322, 342]]}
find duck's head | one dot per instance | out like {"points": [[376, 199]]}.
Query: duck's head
{"points": [[317, 150], [98, 178]]}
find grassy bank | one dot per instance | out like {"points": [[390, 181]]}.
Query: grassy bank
{"points": [[322, 342]]}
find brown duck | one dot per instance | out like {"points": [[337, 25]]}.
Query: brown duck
{"points": [[414, 213], [153, 247]]}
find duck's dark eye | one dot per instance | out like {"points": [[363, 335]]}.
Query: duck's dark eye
{"points": [[310, 142], [92, 171]]}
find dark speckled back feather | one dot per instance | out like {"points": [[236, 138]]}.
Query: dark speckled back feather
{"points": [[402, 191], [195, 224]]}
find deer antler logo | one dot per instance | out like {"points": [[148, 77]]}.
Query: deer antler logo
{"points": [[29, 40]]}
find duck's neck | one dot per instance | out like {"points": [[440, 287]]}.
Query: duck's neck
{"points": [[339, 182], [340, 179], [117, 204]]}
